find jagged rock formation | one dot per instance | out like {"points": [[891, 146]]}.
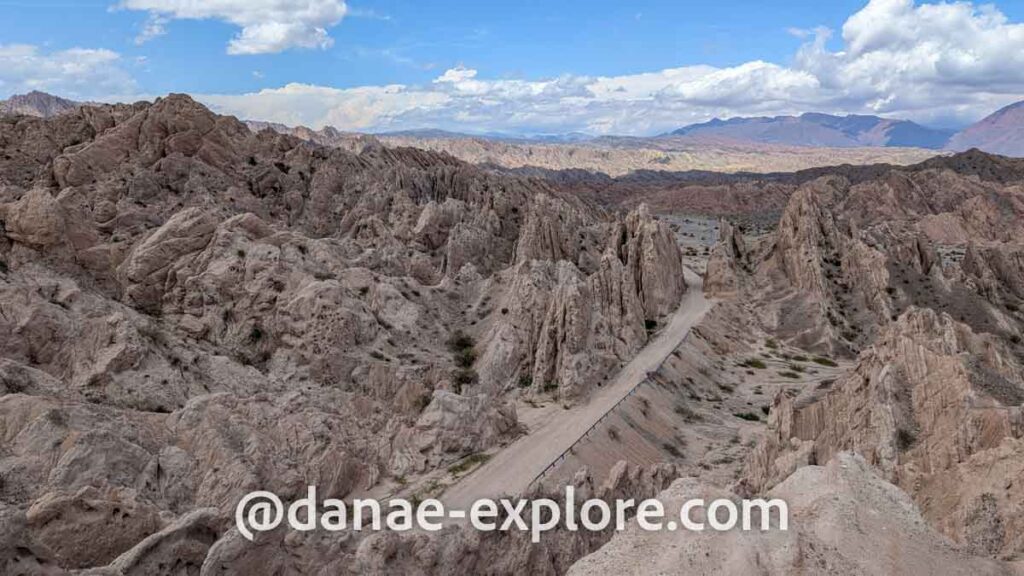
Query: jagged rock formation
{"points": [[839, 515], [190, 311], [914, 273], [729, 262], [850, 255], [936, 408]]}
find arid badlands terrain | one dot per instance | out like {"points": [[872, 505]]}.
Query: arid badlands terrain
{"points": [[191, 309]]}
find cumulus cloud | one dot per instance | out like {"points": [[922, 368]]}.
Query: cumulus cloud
{"points": [[78, 73], [936, 63], [267, 26]]}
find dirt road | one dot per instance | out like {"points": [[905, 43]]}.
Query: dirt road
{"points": [[554, 430]]}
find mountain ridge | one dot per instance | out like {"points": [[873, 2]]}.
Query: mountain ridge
{"points": [[819, 129]]}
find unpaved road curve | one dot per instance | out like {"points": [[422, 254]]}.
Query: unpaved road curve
{"points": [[510, 471]]}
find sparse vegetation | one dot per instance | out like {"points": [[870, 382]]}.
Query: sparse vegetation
{"points": [[463, 354], [464, 358], [525, 380], [688, 414], [672, 450], [789, 374], [825, 361], [750, 416], [905, 439], [468, 463], [754, 363], [460, 341]]}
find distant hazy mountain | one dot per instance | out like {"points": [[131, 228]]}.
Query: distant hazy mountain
{"points": [[999, 133], [37, 103], [435, 134], [822, 130]]}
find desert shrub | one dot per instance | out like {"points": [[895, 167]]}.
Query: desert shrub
{"points": [[905, 438], [750, 416], [671, 449], [459, 341], [468, 462], [464, 358]]}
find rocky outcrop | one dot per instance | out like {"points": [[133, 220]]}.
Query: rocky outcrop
{"points": [[937, 409], [851, 253], [35, 219], [729, 262], [837, 514], [190, 311], [649, 251], [566, 330]]}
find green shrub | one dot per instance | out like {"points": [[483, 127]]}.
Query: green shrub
{"points": [[459, 341], [750, 416], [825, 361], [464, 358], [468, 462]]}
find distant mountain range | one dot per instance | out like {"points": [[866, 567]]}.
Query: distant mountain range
{"points": [[1000, 133], [37, 103], [813, 129]]}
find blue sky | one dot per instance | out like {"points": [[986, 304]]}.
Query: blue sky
{"points": [[526, 66]]}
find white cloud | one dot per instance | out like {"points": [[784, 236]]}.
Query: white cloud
{"points": [[267, 26], [935, 63], [154, 27], [77, 73]]}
